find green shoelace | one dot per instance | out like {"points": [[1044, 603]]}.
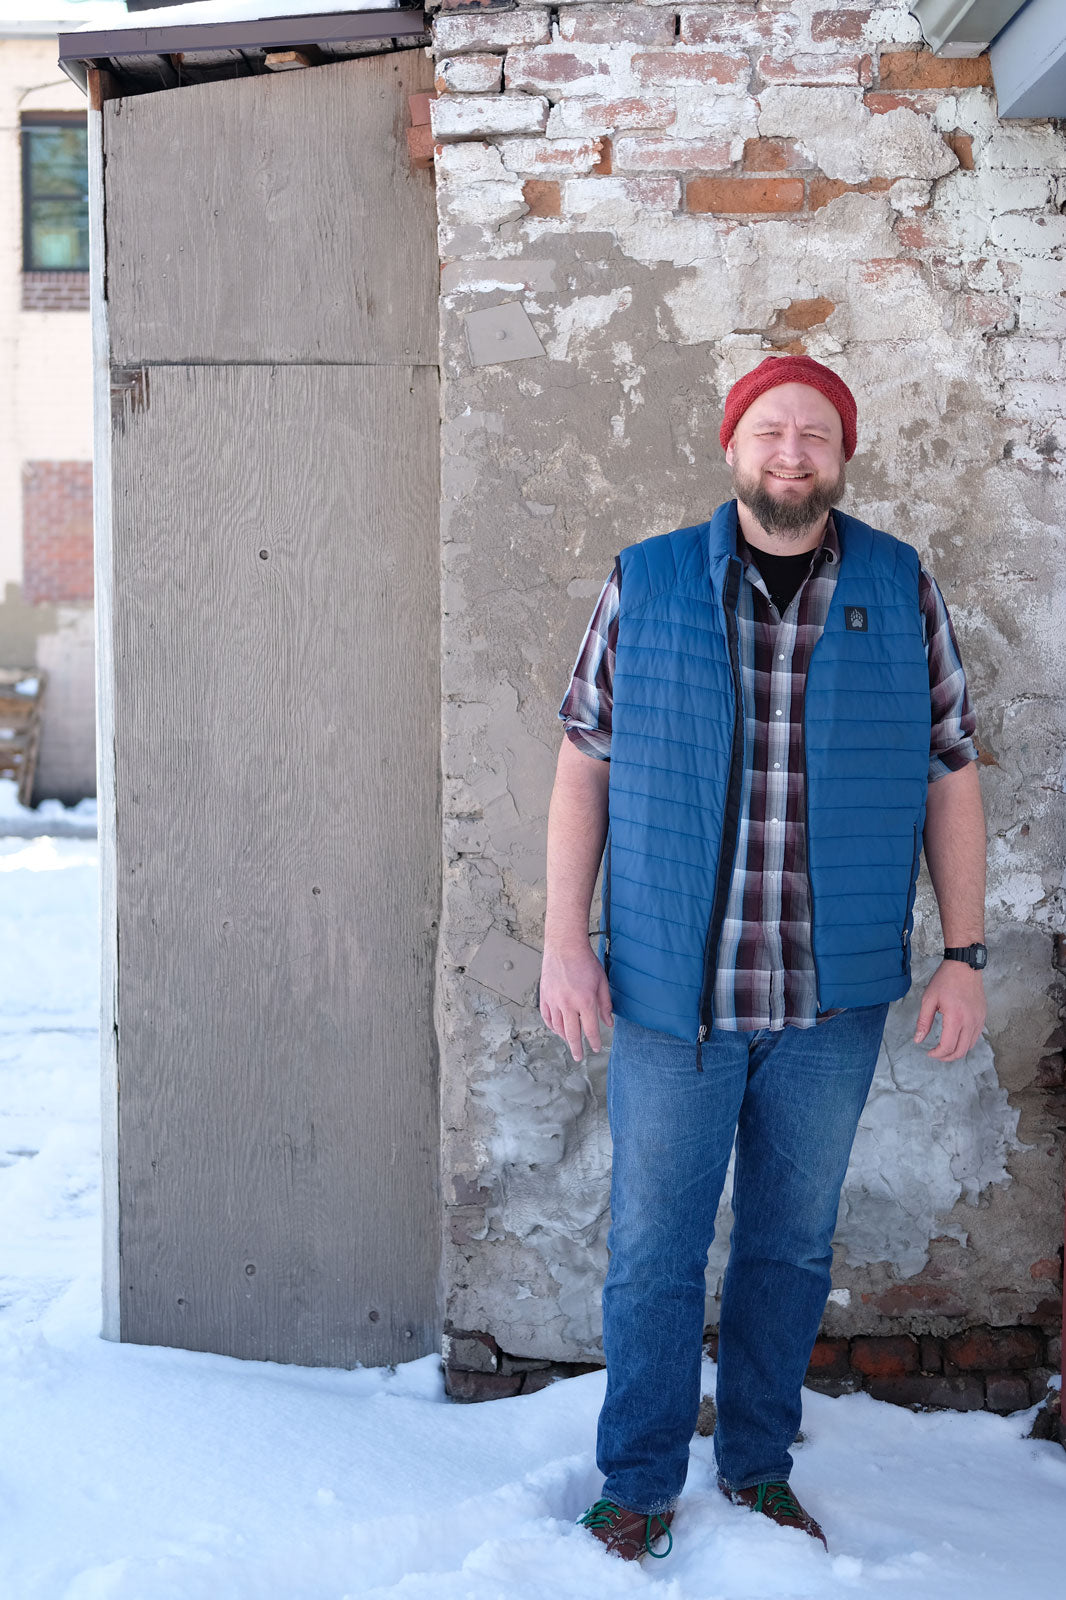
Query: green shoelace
{"points": [[778, 1500], [604, 1514]]}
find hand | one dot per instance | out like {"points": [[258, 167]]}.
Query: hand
{"points": [[574, 996], [957, 991]]}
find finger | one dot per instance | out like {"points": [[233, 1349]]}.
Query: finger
{"points": [[603, 998], [591, 1024], [925, 1016], [950, 1035], [546, 1013], [572, 1033]]}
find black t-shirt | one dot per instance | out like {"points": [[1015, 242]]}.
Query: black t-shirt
{"points": [[782, 575]]}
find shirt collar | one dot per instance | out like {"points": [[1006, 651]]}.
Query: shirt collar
{"points": [[827, 551]]}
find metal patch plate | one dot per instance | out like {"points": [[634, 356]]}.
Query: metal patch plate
{"points": [[507, 967], [501, 333]]}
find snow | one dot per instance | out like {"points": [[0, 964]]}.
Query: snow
{"points": [[135, 1473]]}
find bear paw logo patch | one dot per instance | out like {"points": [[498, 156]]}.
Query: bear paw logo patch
{"points": [[855, 619]]}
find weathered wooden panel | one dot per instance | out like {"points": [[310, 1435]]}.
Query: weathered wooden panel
{"points": [[276, 610], [275, 218]]}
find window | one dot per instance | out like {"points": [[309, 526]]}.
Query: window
{"points": [[55, 193]]}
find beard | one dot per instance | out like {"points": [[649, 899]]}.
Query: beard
{"points": [[794, 516]]}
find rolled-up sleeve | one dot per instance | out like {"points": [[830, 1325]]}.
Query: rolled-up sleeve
{"points": [[951, 742], [588, 702]]}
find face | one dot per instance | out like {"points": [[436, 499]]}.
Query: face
{"points": [[787, 456]]}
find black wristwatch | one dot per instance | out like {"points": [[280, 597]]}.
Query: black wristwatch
{"points": [[974, 955]]}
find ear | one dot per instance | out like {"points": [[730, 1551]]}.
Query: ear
{"points": [[729, 452]]}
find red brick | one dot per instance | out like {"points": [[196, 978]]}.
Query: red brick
{"points": [[744, 195], [534, 1382], [922, 236], [474, 1386], [924, 103], [829, 1359], [605, 165], [419, 105], [420, 145], [55, 291], [837, 24], [961, 144], [994, 1349], [57, 532], [545, 67], [581, 115], [1006, 1391], [1048, 1314], [820, 191], [642, 152], [929, 1357], [543, 198], [608, 24], [1050, 1267], [952, 1394], [816, 70], [728, 27], [887, 1356], [490, 30], [771, 155], [677, 67], [920, 69], [805, 314]]}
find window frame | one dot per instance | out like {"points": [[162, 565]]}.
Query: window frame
{"points": [[40, 119]]}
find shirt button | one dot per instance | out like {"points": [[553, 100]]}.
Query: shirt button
{"points": [[777, 766], [777, 713], [780, 658], [773, 819]]}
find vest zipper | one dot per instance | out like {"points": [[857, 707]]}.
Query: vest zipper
{"points": [[807, 831], [607, 906], [731, 815]]}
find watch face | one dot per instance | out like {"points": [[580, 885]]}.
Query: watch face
{"points": [[980, 956]]}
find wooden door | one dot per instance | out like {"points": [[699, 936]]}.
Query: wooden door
{"points": [[271, 301]]}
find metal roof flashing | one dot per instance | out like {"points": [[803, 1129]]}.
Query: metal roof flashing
{"points": [[963, 27], [170, 55]]}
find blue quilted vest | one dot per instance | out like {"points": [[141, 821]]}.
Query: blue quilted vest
{"points": [[677, 757]]}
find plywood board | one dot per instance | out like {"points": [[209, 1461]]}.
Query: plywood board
{"points": [[274, 218], [275, 618]]}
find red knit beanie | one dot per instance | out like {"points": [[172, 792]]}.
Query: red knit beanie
{"points": [[791, 369]]}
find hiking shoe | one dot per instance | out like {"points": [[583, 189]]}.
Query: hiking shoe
{"points": [[629, 1534], [776, 1501]]}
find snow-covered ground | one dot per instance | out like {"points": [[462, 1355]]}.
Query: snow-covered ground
{"points": [[129, 1473]]}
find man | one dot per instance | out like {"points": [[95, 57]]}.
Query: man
{"points": [[767, 717]]}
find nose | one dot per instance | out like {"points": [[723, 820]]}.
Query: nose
{"points": [[790, 445]]}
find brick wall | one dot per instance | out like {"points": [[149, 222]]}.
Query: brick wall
{"points": [[57, 532], [55, 291], [669, 192], [982, 1368]]}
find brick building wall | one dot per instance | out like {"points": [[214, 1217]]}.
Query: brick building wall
{"points": [[668, 193], [55, 291], [57, 532]]}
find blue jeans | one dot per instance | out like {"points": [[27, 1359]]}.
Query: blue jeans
{"points": [[793, 1099]]}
